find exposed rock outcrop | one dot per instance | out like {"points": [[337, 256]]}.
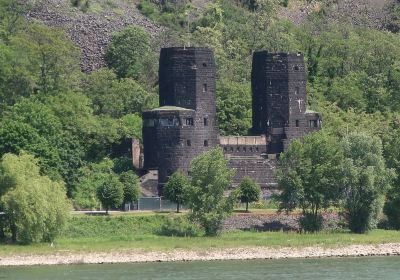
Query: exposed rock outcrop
{"points": [[91, 31]]}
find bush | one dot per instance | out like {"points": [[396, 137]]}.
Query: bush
{"points": [[310, 222], [179, 227], [392, 208]]}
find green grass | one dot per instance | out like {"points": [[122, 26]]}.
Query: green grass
{"points": [[150, 242], [140, 231]]}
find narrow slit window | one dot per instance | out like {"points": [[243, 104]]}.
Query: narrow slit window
{"points": [[205, 121], [205, 143], [188, 143], [297, 123], [204, 87]]}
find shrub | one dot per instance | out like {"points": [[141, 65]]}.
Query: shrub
{"points": [[179, 227], [392, 208], [310, 222]]}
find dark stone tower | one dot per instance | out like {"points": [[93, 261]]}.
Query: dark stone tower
{"points": [[187, 79], [185, 125], [280, 99]]}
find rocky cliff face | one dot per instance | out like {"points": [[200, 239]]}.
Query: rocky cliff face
{"points": [[91, 30], [368, 13]]}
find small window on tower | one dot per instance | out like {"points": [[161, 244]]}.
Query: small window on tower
{"points": [[189, 121], [296, 68], [296, 90], [204, 64], [188, 143], [205, 143], [297, 123], [204, 87], [205, 121]]}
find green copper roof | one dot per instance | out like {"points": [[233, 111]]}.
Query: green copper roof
{"points": [[311, 112], [170, 108]]}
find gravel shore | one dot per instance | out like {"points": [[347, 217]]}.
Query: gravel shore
{"points": [[245, 253]]}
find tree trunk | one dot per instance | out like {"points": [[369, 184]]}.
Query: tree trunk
{"points": [[13, 232], [106, 210], [177, 207], [247, 206]]}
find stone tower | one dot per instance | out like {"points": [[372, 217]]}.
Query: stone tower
{"points": [[280, 99], [185, 125]]}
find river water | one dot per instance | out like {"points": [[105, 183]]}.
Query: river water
{"points": [[332, 268]]}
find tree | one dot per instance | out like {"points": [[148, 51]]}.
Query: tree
{"points": [[35, 207], [90, 178], [309, 177], [131, 186], [104, 89], [11, 17], [249, 191], [366, 181], [234, 107], [110, 192], [210, 176], [175, 189], [392, 207], [127, 52]]}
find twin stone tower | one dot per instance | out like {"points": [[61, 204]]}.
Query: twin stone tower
{"points": [[185, 124]]}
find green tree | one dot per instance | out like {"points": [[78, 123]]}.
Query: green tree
{"points": [[392, 207], [366, 181], [90, 178], [210, 177], [249, 191], [11, 17], [35, 207], [127, 52], [131, 185], [104, 89], [309, 177], [176, 188], [233, 107], [110, 192]]}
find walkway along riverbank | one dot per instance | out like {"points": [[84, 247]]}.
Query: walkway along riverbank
{"points": [[244, 253]]}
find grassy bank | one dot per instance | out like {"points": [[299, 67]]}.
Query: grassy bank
{"points": [[99, 233]]}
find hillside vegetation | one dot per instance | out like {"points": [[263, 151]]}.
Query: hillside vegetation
{"points": [[78, 124]]}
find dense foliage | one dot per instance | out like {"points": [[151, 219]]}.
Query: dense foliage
{"points": [[249, 191], [210, 177], [73, 122], [176, 188], [35, 207], [366, 180], [309, 177]]}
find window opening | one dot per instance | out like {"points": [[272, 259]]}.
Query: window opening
{"points": [[204, 87], [189, 121]]}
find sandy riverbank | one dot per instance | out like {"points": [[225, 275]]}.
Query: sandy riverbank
{"points": [[246, 253]]}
